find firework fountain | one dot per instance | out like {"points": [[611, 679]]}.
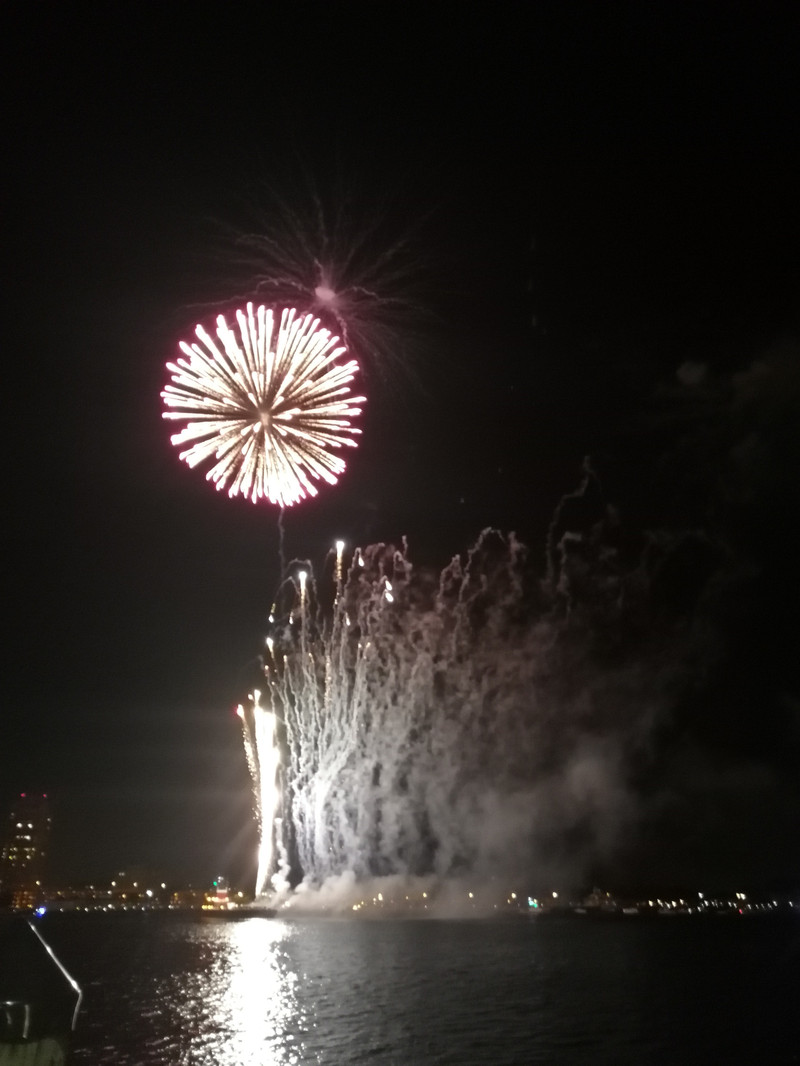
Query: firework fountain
{"points": [[397, 719]]}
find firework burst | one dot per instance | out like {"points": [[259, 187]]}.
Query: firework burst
{"points": [[337, 259], [272, 408]]}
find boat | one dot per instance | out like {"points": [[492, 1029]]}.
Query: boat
{"points": [[39, 1000]]}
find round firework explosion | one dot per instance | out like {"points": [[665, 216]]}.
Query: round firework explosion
{"points": [[353, 264], [270, 407]]}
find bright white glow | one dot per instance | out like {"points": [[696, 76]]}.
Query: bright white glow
{"points": [[263, 760]]}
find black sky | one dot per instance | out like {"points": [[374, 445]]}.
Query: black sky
{"points": [[609, 193]]}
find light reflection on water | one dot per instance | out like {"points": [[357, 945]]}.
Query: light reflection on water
{"points": [[243, 1009]]}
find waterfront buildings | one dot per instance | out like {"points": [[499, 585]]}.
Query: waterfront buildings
{"points": [[24, 850]]}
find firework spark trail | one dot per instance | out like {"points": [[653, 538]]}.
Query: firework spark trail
{"points": [[399, 712], [259, 726], [270, 410]]}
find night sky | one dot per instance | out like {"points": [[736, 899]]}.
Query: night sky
{"points": [[603, 223]]}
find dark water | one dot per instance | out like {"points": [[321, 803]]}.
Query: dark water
{"points": [[166, 991]]}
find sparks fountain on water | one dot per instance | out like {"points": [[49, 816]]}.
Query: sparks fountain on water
{"points": [[395, 719]]}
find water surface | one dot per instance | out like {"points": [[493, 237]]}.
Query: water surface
{"points": [[170, 991]]}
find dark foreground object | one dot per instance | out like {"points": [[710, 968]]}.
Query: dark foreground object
{"points": [[39, 1000]]}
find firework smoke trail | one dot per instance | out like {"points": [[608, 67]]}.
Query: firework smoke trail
{"points": [[269, 409], [400, 715], [259, 726]]}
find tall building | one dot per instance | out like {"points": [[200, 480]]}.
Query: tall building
{"points": [[22, 862]]}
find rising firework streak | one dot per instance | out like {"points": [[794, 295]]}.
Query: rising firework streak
{"points": [[259, 726]]}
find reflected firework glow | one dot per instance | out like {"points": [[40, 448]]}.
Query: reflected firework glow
{"points": [[241, 1008], [258, 1006]]}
